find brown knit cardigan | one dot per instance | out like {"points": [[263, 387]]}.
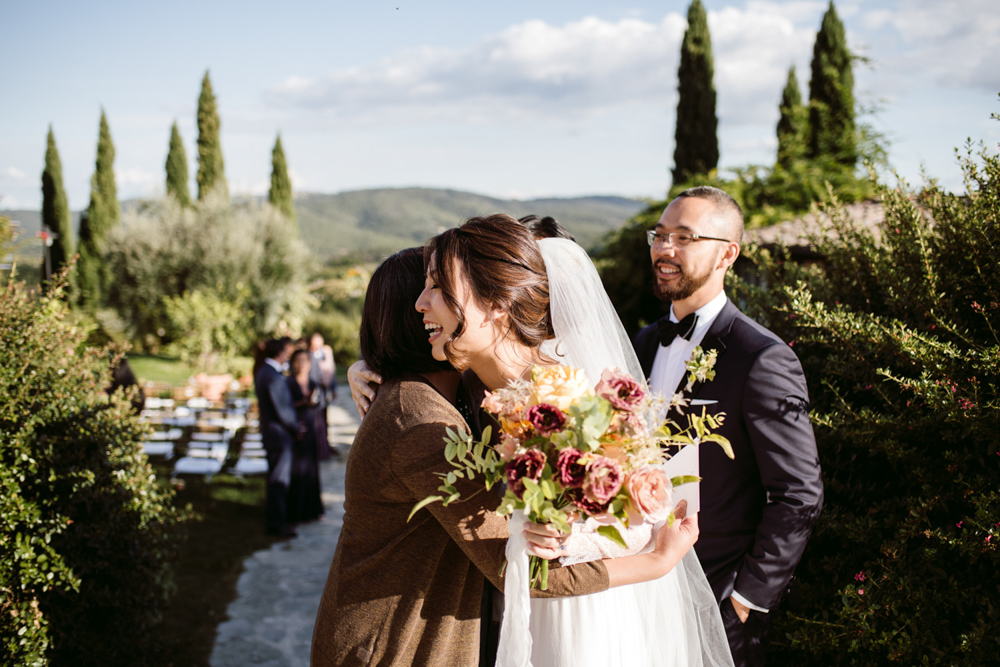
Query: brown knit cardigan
{"points": [[408, 593]]}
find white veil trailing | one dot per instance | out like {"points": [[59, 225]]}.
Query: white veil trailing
{"points": [[589, 334], [669, 622]]}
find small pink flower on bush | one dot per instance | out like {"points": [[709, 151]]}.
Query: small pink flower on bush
{"points": [[860, 576], [527, 465], [621, 390], [604, 480], [546, 418], [570, 472], [650, 490], [861, 591]]}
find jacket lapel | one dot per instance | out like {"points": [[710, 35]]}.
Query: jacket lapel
{"points": [[714, 340]]}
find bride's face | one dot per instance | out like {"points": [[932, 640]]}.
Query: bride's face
{"points": [[440, 322]]}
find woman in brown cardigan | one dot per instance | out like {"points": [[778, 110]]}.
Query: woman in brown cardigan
{"points": [[408, 592]]}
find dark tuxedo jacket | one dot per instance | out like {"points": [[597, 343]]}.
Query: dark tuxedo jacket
{"points": [[758, 509], [278, 422]]}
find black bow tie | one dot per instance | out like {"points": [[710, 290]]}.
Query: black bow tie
{"points": [[669, 330]]}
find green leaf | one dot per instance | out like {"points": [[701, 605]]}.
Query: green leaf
{"points": [[422, 504], [611, 532]]}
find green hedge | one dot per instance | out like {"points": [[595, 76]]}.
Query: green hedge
{"points": [[86, 534], [898, 335]]}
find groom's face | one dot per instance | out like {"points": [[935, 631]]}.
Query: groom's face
{"points": [[681, 271]]}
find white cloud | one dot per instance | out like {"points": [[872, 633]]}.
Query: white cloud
{"points": [[14, 174], [136, 182], [956, 43], [537, 71]]}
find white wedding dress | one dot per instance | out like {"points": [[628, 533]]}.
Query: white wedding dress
{"points": [[673, 621]]}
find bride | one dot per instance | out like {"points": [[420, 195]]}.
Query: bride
{"points": [[481, 305]]}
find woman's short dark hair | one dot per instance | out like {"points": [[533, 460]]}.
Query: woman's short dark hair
{"points": [[393, 339], [504, 267]]}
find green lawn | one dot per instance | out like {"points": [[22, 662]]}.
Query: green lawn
{"points": [[227, 528], [159, 369]]}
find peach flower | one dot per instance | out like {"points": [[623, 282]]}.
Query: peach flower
{"points": [[650, 491]]}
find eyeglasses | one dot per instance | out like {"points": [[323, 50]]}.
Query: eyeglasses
{"points": [[677, 239]]}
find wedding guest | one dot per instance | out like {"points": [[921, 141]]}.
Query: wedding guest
{"points": [[323, 371], [758, 508], [122, 378], [279, 427], [304, 502]]}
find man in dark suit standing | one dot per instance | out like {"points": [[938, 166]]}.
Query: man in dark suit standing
{"points": [[758, 509], [279, 429]]}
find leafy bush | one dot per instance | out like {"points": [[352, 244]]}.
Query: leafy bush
{"points": [[86, 534], [209, 332], [241, 254], [898, 335]]}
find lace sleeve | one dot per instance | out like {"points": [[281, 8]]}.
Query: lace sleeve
{"points": [[584, 545]]}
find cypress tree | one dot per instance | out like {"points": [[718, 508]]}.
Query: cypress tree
{"points": [[831, 94], [177, 169], [280, 194], [792, 125], [56, 217], [696, 146], [211, 171], [103, 214]]}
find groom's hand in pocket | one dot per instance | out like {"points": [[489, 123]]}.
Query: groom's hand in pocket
{"points": [[742, 611]]}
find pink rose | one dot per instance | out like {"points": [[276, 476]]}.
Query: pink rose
{"points": [[650, 490], [546, 418], [621, 390], [492, 403], [604, 480], [569, 471], [527, 465]]}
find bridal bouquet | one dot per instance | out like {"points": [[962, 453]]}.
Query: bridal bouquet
{"points": [[566, 449]]}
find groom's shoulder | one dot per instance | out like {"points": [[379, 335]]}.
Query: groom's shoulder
{"points": [[751, 334]]}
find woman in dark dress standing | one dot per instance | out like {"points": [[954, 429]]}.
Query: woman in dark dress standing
{"points": [[304, 502]]}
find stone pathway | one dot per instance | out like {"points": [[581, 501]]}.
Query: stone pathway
{"points": [[270, 623]]}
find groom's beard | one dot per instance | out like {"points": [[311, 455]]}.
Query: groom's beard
{"points": [[687, 285]]}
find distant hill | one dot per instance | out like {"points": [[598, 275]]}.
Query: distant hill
{"points": [[368, 224], [372, 223]]}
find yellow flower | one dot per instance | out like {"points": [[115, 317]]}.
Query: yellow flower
{"points": [[557, 385]]}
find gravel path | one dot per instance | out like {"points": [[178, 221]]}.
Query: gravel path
{"points": [[270, 623]]}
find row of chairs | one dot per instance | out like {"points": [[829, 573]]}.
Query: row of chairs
{"points": [[203, 437]]}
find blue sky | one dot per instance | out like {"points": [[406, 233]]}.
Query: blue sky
{"points": [[512, 99]]}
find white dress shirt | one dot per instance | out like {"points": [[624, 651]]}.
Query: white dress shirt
{"points": [[669, 368], [273, 363]]}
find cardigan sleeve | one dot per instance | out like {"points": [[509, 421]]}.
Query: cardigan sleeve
{"points": [[472, 521]]}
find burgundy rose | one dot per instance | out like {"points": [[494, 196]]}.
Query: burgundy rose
{"points": [[569, 470], [621, 390], [585, 504], [604, 479], [546, 418], [527, 465]]}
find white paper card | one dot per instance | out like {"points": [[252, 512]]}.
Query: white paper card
{"points": [[685, 462]]}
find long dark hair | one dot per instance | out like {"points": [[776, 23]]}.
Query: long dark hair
{"points": [[393, 339], [504, 268]]}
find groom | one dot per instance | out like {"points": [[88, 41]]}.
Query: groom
{"points": [[758, 509]]}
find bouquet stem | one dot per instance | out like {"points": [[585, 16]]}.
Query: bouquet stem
{"points": [[538, 570]]}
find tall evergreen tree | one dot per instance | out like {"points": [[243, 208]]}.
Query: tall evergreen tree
{"points": [[280, 194], [103, 214], [211, 171], [696, 145], [831, 94], [177, 169], [56, 216], [792, 125]]}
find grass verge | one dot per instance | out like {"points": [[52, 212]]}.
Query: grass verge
{"points": [[228, 526]]}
